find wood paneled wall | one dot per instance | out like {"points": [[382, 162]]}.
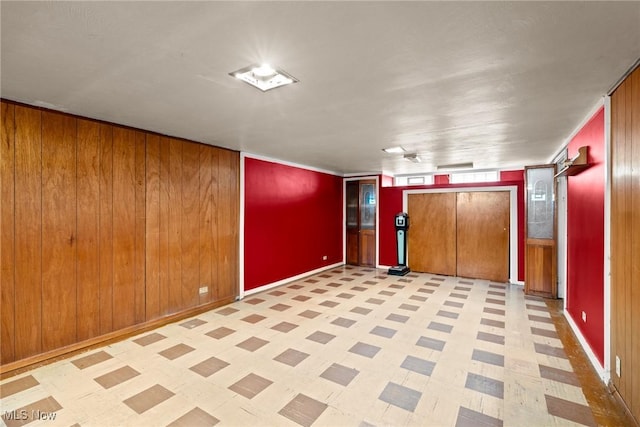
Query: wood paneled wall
{"points": [[104, 227], [625, 240]]}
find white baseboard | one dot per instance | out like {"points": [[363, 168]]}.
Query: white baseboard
{"points": [[288, 280], [602, 372], [518, 282]]}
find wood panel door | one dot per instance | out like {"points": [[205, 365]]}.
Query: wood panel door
{"points": [[482, 230], [367, 206], [431, 239], [540, 256], [361, 201], [353, 227]]}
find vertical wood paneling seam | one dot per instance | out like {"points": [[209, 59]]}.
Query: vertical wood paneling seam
{"points": [[145, 226], [41, 222], [144, 240], [161, 307], [200, 206], [165, 309], [111, 216], [14, 234], [75, 121], [13, 248], [167, 276], [113, 258], [181, 213], [99, 232], [199, 241]]}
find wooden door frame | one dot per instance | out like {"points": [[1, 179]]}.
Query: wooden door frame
{"points": [[344, 210], [513, 217]]}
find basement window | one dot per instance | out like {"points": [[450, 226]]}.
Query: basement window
{"points": [[399, 181], [471, 177]]}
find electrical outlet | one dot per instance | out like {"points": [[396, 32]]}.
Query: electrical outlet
{"points": [[203, 290], [584, 317], [618, 367], [324, 257]]}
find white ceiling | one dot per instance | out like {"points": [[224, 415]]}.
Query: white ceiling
{"points": [[500, 84]]}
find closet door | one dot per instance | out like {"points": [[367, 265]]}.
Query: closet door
{"points": [[483, 235], [432, 236], [460, 234]]}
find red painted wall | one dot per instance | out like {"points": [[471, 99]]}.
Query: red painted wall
{"points": [[390, 203], [386, 181], [441, 179], [585, 236], [292, 218]]}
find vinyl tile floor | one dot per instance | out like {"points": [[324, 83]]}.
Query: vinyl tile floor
{"points": [[346, 347]]}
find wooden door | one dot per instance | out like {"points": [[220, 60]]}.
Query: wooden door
{"points": [[483, 235], [353, 229], [540, 253], [367, 205], [361, 201], [432, 236]]}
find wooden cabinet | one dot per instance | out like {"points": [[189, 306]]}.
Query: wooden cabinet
{"points": [[540, 252], [361, 203]]}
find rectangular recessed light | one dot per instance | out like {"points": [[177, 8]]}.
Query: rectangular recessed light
{"points": [[393, 150], [264, 77]]}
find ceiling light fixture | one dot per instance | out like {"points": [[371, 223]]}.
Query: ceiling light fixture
{"points": [[413, 157], [394, 150], [264, 77], [453, 166]]}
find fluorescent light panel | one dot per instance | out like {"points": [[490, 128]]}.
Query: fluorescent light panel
{"points": [[264, 77], [394, 150]]}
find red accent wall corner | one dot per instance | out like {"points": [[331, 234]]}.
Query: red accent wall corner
{"points": [[585, 236], [292, 219]]}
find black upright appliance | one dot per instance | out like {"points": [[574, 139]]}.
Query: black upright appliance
{"points": [[402, 225]]}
